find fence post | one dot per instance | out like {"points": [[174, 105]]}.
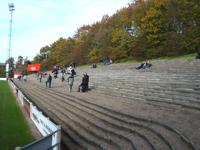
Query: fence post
{"points": [[59, 136]]}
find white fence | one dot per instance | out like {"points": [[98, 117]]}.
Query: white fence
{"points": [[47, 128], [3, 79]]}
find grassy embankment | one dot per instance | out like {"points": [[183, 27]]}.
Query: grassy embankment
{"points": [[183, 57], [14, 130]]}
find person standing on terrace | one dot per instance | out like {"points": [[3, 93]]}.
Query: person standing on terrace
{"points": [[70, 79]]}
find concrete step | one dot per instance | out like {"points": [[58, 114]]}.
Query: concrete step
{"points": [[113, 113]]}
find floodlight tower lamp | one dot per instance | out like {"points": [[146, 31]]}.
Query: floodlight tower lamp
{"points": [[11, 9]]}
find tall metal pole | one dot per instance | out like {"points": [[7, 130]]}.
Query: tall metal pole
{"points": [[11, 9]]}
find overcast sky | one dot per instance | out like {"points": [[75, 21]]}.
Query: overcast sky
{"points": [[37, 23]]}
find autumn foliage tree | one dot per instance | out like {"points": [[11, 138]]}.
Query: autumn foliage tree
{"points": [[143, 29]]}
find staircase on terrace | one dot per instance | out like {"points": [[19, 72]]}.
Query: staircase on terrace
{"points": [[90, 122]]}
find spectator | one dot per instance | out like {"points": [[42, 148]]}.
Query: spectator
{"points": [[70, 79], [25, 78], [87, 81], [144, 65], [69, 69], [62, 75], [19, 77], [40, 76], [55, 72], [106, 61], [70, 82], [49, 80], [84, 84], [148, 64], [111, 61], [73, 64], [94, 65]]}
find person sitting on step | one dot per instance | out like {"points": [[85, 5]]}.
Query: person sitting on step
{"points": [[144, 65], [83, 87]]}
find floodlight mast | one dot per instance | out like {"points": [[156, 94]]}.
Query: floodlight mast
{"points": [[11, 9]]}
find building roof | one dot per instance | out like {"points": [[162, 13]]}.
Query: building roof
{"points": [[2, 64]]}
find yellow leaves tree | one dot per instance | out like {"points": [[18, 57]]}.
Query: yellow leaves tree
{"points": [[153, 23], [94, 56], [117, 36]]}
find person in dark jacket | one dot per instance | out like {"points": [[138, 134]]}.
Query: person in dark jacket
{"points": [[87, 82], [83, 87], [144, 65], [49, 80]]}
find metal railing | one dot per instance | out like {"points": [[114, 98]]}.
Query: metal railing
{"points": [[49, 142]]}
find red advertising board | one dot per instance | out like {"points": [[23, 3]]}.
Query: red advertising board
{"points": [[33, 67]]}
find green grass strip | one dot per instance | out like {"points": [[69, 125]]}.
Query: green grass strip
{"points": [[14, 130]]}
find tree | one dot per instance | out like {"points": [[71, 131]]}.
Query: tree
{"points": [[20, 60], [2, 71], [153, 23], [144, 29], [10, 61], [94, 56], [58, 52], [189, 22]]}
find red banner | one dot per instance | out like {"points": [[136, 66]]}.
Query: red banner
{"points": [[33, 67]]}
